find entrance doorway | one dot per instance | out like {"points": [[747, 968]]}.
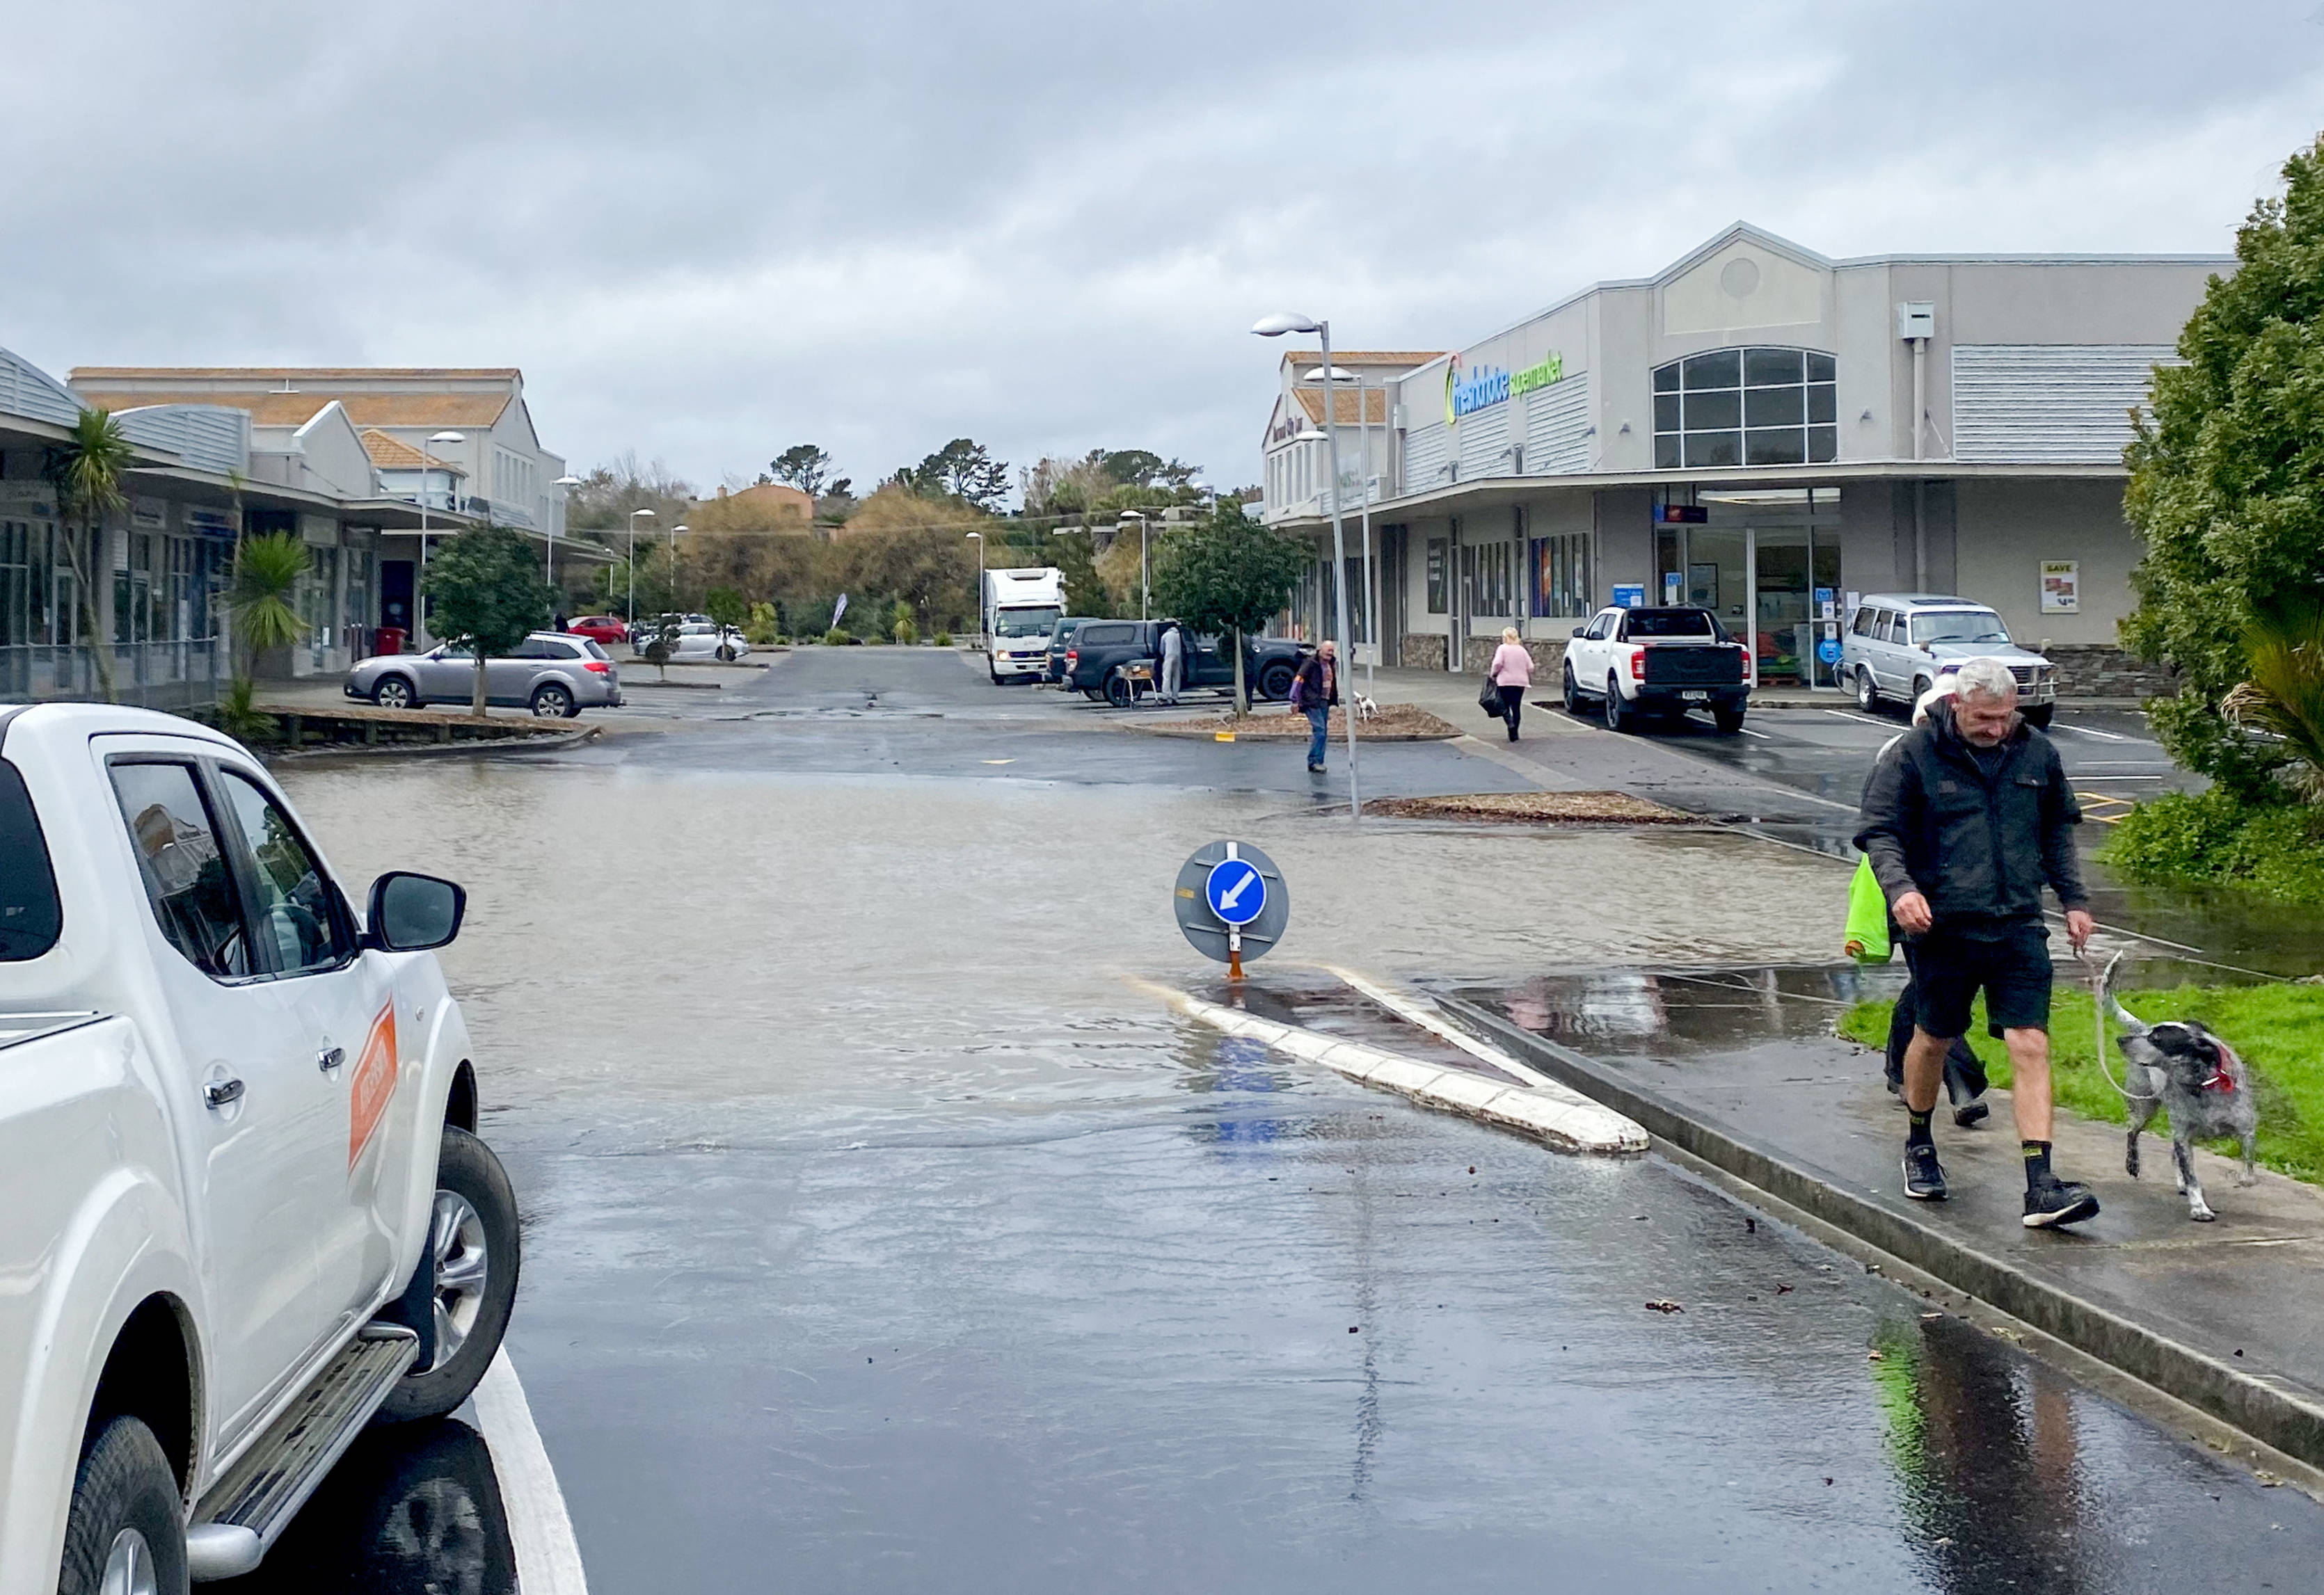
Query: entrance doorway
{"points": [[1766, 562]]}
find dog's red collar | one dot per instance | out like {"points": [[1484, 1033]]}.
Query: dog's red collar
{"points": [[2219, 1080]]}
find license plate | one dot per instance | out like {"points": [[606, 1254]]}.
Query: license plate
{"points": [[1697, 697]]}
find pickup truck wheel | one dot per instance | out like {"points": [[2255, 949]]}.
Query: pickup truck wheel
{"points": [[1118, 693], [472, 1248], [1573, 692], [1275, 681], [1867, 694], [126, 1533], [393, 692], [1620, 716], [1728, 721], [2038, 715]]}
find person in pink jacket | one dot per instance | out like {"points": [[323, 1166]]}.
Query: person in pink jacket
{"points": [[1512, 673]]}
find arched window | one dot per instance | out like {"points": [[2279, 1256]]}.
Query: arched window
{"points": [[1745, 407]]}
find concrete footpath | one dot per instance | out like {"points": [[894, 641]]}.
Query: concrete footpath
{"points": [[2227, 1317]]}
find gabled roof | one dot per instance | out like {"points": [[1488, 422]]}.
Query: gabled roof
{"points": [[1361, 357], [1310, 398], [275, 374], [392, 454]]}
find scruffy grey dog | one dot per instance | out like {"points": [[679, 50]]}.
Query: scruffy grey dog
{"points": [[2180, 1065]]}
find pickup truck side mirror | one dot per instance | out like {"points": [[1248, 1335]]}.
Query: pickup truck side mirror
{"points": [[414, 913], [1579, 630]]}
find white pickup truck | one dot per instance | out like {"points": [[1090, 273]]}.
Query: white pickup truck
{"points": [[1661, 660], [244, 1210]]}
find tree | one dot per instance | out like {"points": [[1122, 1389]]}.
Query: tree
{"points": [[1227, 574], [1085, 594], [2283, 694], [726, 606], [87, 471], [262, 596], [486, 594], [963, 469], [806, 468], [1140, 467], [2227, 480]]}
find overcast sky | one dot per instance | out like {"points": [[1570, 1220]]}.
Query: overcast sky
{"points": [[707, 229]]}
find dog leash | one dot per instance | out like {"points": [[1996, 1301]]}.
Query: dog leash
{"points": [[2097, 1009]]}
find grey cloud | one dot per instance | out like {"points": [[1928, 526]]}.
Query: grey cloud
{"points": [[707, 230]]}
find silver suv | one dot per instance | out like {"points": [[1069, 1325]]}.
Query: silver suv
{"points": [[1901, 644], [551, 673]]}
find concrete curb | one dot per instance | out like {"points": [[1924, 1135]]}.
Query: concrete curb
{"points": [[474, 745], [1566, 1120], [2268, 1410]]}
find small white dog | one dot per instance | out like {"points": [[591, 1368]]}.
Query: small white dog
{"points": [[1366, 708]]}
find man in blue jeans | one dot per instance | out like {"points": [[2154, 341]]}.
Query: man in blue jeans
{"points": [[1313, 691]]}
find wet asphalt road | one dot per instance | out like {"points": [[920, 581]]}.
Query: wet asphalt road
{"points": [[879, 1238]]}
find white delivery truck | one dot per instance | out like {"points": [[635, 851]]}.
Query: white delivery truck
{"points": [[246, 1210], [1021, 608]]}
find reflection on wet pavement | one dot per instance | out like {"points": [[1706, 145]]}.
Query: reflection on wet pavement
{"points": [[412, 1509]]}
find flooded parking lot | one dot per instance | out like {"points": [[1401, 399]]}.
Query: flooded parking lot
{"points": [[878, 1233]]}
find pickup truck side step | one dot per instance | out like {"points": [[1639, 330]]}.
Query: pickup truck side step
{"points": [[256, 1497]]}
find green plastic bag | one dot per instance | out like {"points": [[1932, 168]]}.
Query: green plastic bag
{"points": [[1867, 917]]}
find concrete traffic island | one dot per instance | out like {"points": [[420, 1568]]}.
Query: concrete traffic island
{"points": [[2226, 1317], [1550, 1112], [345, 728]]}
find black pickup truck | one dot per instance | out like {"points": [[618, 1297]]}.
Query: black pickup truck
{"points": [[1099, 650]]}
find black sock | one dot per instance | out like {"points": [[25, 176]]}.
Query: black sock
{"points": [[2037, 1162], [1916, 1133]]}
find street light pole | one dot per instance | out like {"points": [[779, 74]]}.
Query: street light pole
{"points": [[982, 635], [569, 483], [649, 514], [674, 530], [1275, 327]]}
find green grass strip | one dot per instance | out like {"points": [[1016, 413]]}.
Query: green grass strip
{"points": [[2279, 1029]]}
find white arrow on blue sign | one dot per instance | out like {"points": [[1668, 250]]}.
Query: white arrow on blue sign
{"points": [[1236, 891]]}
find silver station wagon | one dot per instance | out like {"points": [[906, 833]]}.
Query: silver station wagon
{"points": [[551, 673], [1901, 644]]}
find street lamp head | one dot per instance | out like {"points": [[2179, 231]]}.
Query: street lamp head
{"points": [[977, 535], [681, 526], [568, 482], [636, 513], [448, 438], [1315, 374], [1276, 326]]}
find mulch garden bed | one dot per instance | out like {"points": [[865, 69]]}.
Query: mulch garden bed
{"points": [[1396, 723], [1552, 808]]}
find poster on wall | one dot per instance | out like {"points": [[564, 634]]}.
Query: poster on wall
{"points": [[2062, 586]]}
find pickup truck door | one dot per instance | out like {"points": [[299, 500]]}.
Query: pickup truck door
{"points": [[1208, 662], [340, 998], [261, 1133], [1586, 652]]}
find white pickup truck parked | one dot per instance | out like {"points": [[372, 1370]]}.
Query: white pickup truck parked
{"points": [[243, 1206], [1661, 660]]}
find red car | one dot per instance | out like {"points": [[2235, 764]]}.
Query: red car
{"points": [[600, 629]]}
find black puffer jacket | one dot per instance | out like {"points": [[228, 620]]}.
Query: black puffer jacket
{"points": [[1978, 847], [1311, 678]]}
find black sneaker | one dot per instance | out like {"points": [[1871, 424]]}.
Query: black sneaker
{"points": [[2059, 1202], [1971, 1112], [1924, 1180]]}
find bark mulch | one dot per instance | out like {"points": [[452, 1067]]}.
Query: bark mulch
{"points": [[1396, 723], [1553, 809]]}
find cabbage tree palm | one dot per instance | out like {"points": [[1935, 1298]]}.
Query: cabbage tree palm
{"points": [[262, 596], [87, 469], [2282, 690]]}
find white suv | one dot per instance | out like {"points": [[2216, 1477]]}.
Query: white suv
{"points": [[1901, 644]]}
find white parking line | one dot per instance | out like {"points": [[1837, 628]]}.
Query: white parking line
{"points": [[1864, 719], [2087, 775], [1762, 735], [541, 1531], [2112, 736]]}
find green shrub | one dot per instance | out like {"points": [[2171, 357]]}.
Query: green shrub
{"points": [[239, 719], [764, 627], [2279, 1029], [835, 638], [944, 638], [2212, 838]]}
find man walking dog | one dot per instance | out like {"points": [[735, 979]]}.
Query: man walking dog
{"points": [[1965, 818]]}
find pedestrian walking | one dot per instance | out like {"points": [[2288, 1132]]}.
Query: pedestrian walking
{"points": [[1965, 820], [1313, 691], [1174, 661], [1511, 672]]}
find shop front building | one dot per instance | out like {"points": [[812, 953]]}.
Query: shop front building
{"points": [[1762, 432]]}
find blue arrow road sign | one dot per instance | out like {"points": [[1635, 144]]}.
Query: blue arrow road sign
{"points": [[1236, 891]]}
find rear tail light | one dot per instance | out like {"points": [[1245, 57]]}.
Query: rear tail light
{"points": [[1639, 665], [1073, 657], [597, 667]]}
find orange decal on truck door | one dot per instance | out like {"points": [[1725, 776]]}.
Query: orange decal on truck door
{"points": [[373, 1086]]}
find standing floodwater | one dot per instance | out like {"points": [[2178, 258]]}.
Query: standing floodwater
{"points": [[880, 1234]]}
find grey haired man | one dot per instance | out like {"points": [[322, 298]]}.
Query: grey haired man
{"points": [[1965, 819]]}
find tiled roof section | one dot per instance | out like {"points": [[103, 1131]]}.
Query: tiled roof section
{"points": [[1343, 408], [296, 410], [276, 374], [393, 454]]}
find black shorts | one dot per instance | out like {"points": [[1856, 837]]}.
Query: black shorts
{"points": [[2009, 963]]}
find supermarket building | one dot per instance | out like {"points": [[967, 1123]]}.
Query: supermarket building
{"points": [[1757, 428]]}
